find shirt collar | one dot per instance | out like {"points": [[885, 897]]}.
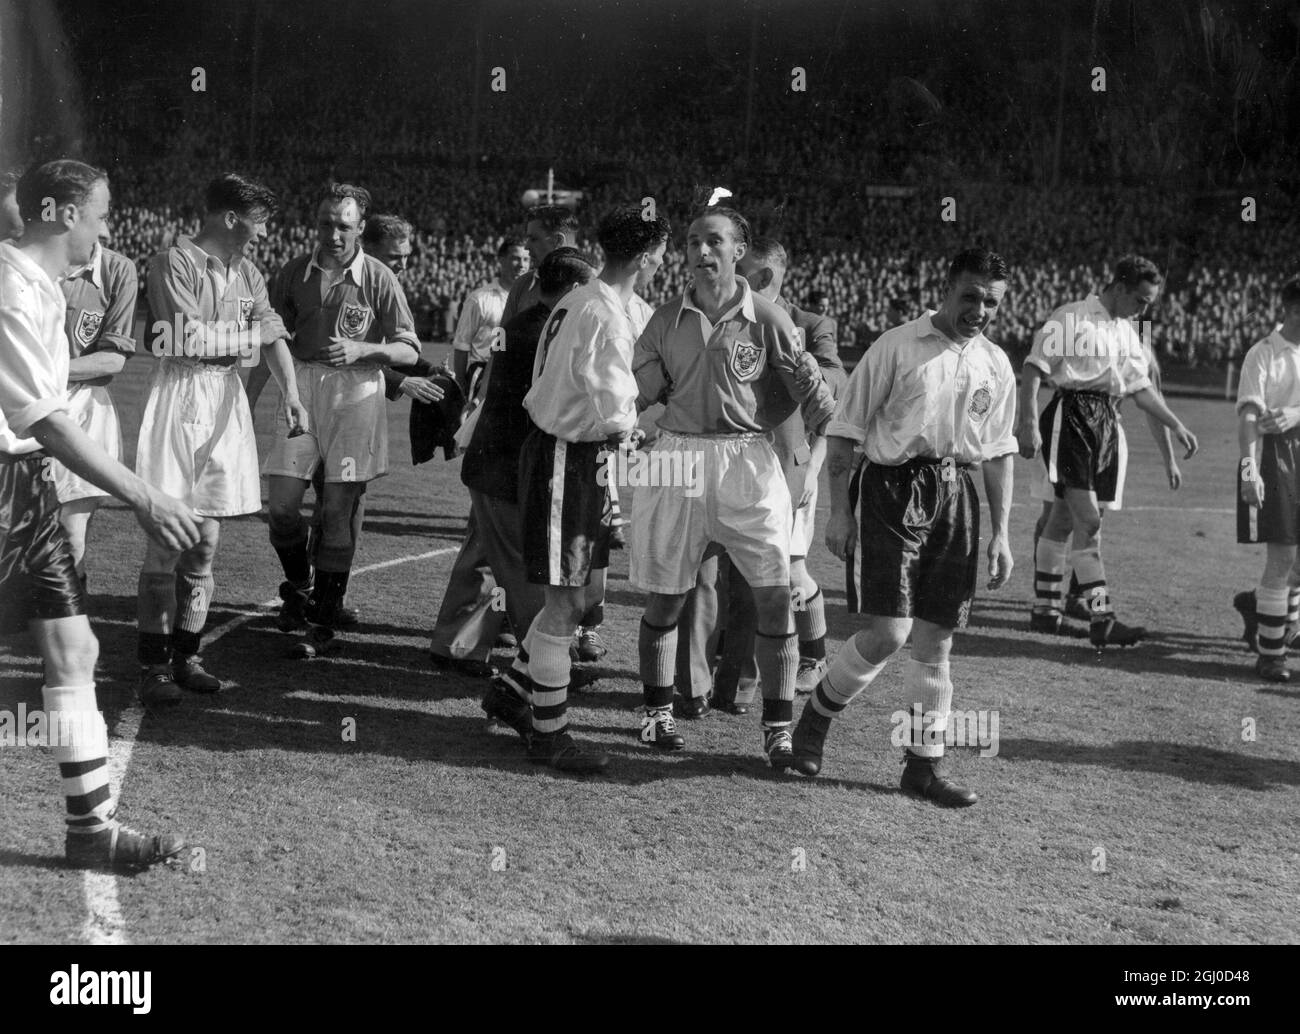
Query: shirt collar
{"points": [[926, 328], [26, 266], [353, 268], [95, 267], [745, 308], [204, 258]]}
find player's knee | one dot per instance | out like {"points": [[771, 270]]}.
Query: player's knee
{"points": [[158, 559], [72, 663], [1087, 526], [283, 519]]}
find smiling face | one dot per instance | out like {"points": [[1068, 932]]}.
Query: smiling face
{"points": [[712, 250], [971, 303], [512, 265], [338, 227]]}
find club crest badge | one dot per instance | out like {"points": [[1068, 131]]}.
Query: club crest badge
{"points": [[353, 319], [746, 360], [981, 401], [87, 329], [245, 312]]}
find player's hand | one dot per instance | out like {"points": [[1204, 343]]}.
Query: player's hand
{"points": [[841, 535], [1187, 440], [168, 521], [1030, 439], [342, 351], [271, 328], [1000, 562], [421, 389], [295, 414], [806, 371], [1252, 492], [1175, 476], [1279, 421]]}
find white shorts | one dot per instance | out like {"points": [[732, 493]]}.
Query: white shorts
{"points": [[1040, 488], [801, 533], [92, 409], [348, 425], [196, 438], [737, 498]]}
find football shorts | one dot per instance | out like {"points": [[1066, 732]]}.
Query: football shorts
{"points": [[93, 411], [1278, 520], [38, 578], [565, 509], [347, 425]]}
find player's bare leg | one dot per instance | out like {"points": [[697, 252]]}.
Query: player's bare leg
{"points": [[657, 652], [95, 839], [175, 592], [549, 674], [290, 539], [75, 518], [339, 504], [1272, 607], [776, 653], [1085, 559]]}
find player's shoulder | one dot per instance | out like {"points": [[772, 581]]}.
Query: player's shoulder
{"points": [[769, 314], [117, 267], [378, 273], [1262, 349]]}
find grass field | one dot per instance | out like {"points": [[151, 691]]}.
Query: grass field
{"points": [[432, 827]]}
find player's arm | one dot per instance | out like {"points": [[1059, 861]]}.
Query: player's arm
{"points": [[605, 368], [841, 532], [1152, 404], [800, 373], [277, 359], [652, 382], [1037, 366], [825, 349], [462, 342], [399, 347], [33, 404], [1163, 440], [998, 480], [116, 340], [1251, 405]]}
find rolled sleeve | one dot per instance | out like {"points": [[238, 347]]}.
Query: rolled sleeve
{"points": [[867, 388], [999, 438], [29, 389], [117, 330], [647, 365], [1250, 388]]}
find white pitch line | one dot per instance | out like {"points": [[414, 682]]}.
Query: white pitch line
{"points": [[105, 923]]}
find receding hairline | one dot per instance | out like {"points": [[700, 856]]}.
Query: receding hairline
{"points": [[716, 215], [339, 202]]}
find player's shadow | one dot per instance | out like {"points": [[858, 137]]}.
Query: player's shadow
{"points": [[1194, 763], [1152, 655], [403, 529], [11, 859]]}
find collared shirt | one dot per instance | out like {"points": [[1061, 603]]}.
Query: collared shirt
{"points": [[714, 377], [479, 318], [916, 393], [363, 302], [101, 305], [639, 312], [525, 292], [1270, 374], [583, 389], [208, 297], [33, 350], [1082, 347]]}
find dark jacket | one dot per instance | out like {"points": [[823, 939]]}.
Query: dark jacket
{"points": [[491, 463]]}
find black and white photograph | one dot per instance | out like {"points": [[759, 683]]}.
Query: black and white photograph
{"points": [[651, 473]]}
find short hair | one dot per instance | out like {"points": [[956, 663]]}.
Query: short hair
{"points": [[979, 262], [739, 224], [769, 252], [384, 227], [554, 219], [508, 243], [1131, 270], [625, 233], [337, 192], [562, 267], [64, 180], [1291, 293], [240, 194]]}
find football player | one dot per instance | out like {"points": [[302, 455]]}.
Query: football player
{"points": [[210, 311], [65, 204]]}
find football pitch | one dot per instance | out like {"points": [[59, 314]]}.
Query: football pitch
{"points": [[1142, 795]]}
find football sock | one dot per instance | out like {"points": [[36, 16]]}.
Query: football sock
{"points": [[1293, 606], [81, 753], [193, 597], [777, 657], [1270, 608], [810, 623], [1049, 573], [930, 691], [327, 596], [1092, 582], [290, 544], [155, 613], [657, 649], [849, 675], [549, 669]]}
